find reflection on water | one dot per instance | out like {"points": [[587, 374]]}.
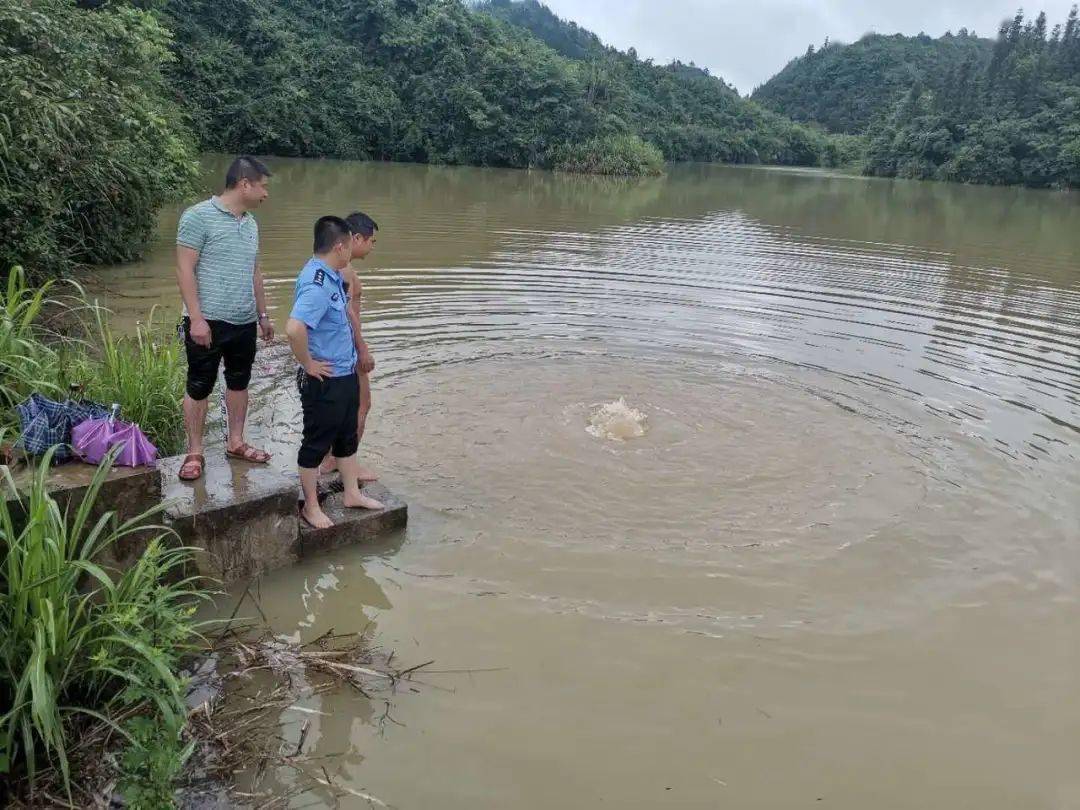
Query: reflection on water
{"points": [[841, 562]]}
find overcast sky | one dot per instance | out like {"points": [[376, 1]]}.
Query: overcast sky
{"points": [[747, 41]]}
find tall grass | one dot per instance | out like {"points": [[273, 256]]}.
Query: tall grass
{"points": [[80, 642], [143, 372], [27, 363]]}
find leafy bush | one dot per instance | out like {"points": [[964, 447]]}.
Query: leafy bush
{"points": [[614, 155], [90, 148], [80, 643]]}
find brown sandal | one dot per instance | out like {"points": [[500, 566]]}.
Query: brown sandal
{"points": [[192, 460], [246, 452]]}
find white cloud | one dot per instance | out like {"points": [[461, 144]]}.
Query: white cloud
{"points": [[746, 43]]}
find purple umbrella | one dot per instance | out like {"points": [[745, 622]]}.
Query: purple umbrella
{"points": [[94, 438]]}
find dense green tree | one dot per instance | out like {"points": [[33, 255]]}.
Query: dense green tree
{"points": [[90, 147]]}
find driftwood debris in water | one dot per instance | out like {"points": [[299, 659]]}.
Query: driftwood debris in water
{"points": [[240, 729]]}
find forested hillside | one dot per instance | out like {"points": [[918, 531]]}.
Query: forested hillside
{"points": [[847, 87], [1015, 120], [436, 81], [959, 108], [562, 36]]}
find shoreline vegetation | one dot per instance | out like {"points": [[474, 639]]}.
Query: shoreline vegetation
{"points": [[63, 346], [85, 649]]}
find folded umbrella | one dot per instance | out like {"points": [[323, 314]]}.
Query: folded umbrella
{"points": [[46, 423], [94, 438], [137, 451]]}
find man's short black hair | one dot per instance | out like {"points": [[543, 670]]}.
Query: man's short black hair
{"points": [[361, 223], [328, 232], [245, 167]]}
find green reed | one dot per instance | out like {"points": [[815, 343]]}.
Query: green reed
{"points": [[79, 642], [27, 362], [143, 372]]}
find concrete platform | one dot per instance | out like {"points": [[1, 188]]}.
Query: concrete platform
{"points": [[126, 491], [242, 518], [352, 525]]}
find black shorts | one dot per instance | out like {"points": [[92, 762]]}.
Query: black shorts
{"points": [[233, 343], [330, 408]]}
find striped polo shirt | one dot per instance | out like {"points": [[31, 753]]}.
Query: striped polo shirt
{"points": [[225, 271]]}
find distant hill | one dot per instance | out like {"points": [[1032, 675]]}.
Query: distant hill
{"points": [[846, 87], [562, 36], [687, 113], [958, 108]]}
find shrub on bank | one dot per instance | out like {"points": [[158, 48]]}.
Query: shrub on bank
{"points": [[612, 155], [82, 646], [89, 145], [844, 151]]}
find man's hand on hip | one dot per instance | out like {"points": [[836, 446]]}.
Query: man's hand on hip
{"points": [[319, 369]]}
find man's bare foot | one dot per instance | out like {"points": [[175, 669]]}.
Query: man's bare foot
{"points": [[315, 517], [362, 502], [328, 465], [366, 475]]}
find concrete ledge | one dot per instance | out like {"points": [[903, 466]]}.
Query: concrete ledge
{"points": [[353, 525], [242, 517], [127, 491]]}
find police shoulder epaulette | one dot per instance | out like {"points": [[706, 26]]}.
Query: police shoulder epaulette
{"points": [[320, 277]]}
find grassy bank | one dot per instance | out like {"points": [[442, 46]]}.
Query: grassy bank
{"points": [[50, 343], [83, 648]]}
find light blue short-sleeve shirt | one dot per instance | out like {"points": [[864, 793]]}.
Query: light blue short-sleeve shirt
{"points": [[322, 304], [228, 247]]}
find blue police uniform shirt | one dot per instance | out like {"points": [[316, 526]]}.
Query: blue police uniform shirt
{"points": [[322, 304]]}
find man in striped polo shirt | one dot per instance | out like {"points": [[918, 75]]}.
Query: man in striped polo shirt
{"points": [[217, 268]]}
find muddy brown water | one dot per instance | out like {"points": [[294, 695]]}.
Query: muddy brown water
{"points": [[840, 566]]}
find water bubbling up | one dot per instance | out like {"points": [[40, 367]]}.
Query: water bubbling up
{"points": [[617, 421]]}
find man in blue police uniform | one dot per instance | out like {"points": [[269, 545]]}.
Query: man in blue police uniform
{"points": [[322, 341]]}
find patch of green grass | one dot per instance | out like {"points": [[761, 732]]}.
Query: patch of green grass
{"points": [[82, 643], [27, 363], [143, 373]]}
